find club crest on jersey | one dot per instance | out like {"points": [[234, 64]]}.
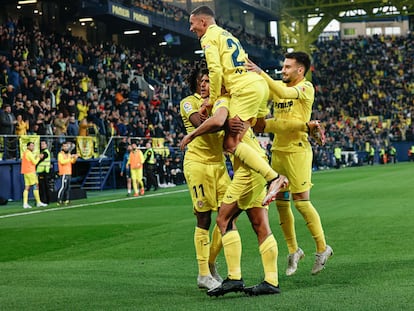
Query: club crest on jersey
{"points": [[200, 203], [206, 46], [187, 107]]}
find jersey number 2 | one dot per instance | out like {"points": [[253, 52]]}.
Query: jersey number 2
{"points": [[236, 52]]}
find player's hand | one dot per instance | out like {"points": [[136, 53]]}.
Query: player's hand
{"points": [[250, 66], [235, 126], [204, 110], [185, 141], [121, 174]]}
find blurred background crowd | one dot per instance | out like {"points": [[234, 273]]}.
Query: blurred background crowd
{"points": [[57, 84]]}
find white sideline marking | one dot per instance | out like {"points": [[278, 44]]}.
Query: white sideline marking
{"points": [[88, 204]]}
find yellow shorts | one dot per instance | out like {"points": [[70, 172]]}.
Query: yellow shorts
{"points": [[207, 183], [248, 188], [296, 166], [250, 102], [136, 173], [30, 179]]}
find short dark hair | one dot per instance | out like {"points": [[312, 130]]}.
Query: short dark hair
{"points": [[195, 74], [29, 143], [204, 9], [300, 57]]}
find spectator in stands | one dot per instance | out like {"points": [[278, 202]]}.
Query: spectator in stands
{"points": [[7, 127], [73, 126], [21, 125], [60, 124]]}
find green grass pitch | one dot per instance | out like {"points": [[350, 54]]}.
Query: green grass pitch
{"points": [[109, 252]]}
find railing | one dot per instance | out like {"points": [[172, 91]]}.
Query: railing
{"points": [[12, 146]]}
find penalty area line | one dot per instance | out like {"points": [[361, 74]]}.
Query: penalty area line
{"points": [[53, 209]]}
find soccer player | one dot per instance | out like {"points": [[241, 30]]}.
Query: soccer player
{"points": [[207, 179], [245, 193], [135, 164], [65, 161], [125, 169], [248, 93], [292, 156], [28, 169]]}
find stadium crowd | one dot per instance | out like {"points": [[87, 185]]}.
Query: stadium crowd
{"points": [[57, 84]]}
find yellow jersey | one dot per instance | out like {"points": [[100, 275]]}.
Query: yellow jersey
{"points": [[205, 148], [296, 104], [225, 60]]}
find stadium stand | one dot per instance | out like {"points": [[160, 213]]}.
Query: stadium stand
{"points": [[111, 93]]}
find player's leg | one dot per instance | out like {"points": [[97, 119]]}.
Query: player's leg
{"points": [[140, 181], [228, 212], [300, 166], [199, 176], [258, 217], [202, 247], [128, 180], [134, 181], [67, 189], [216, 245], [245, 104], [285, 163], [60, 193], [26, 191]]}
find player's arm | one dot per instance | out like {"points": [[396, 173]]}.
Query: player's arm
{"points": [[32, 158], [211, 125], [277, 87], [196, 119], [63, 160], [215, 71], [280, 89]]}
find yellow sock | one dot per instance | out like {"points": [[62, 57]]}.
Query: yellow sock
{"points": [[250, 157], [36, 195], [268, 252], [135, 185], [141, 184], [313, 222], [287, 223], [284, 127], [25, 196], [216, 245], [202, 247], [232, 251]]}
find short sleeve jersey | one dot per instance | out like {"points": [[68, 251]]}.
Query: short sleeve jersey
{"points": [[299, 108], [225, 60], [207, 147]]}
